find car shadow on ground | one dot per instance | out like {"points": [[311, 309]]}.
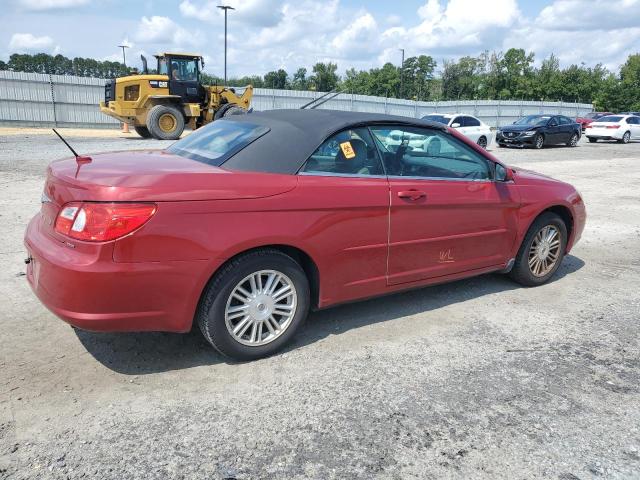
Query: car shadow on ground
{"points": [[145, 353]]}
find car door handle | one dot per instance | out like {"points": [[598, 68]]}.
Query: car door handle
{"points": [[411, 194]]}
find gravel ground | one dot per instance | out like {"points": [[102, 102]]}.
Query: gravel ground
{"points": [[474, 379]]}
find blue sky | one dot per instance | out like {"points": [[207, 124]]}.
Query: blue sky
{"points": [[270, 34]]}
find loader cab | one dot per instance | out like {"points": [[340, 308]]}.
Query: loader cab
{"points": [[184, 75]]}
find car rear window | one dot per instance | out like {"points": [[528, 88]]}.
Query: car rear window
{"points": [[215, 143], [437, 118], [610, 118]]}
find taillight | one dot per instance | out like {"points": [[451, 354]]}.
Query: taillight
{"points": [[588, 125], [101, 222], [612, 126]]}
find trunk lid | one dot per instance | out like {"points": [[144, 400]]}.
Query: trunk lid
{"points": [[155, 176]]}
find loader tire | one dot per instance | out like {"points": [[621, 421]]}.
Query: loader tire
{"points": [[143, 132], [165, 122], [229, 109]]}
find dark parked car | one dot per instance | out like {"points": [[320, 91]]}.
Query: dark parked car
{"points": [[590, 117], [539, 130]]}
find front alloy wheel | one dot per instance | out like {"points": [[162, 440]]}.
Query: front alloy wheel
{"points": [[482, 141], [544, 251], [538, 142], [541, 251]]}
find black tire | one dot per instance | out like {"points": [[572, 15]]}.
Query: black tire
{"points": [[625, 138], [211, 310], [143, 132], [538, 141], [165, 122], [229, 109], [573, 141], [482, 141], [592, 139], [521, 272], [501, 145]]}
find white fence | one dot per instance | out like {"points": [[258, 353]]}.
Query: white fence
{"points": [[34, 99]]}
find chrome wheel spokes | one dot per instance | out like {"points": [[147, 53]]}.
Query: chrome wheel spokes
{"points": [[261, 307], [544, 251]]}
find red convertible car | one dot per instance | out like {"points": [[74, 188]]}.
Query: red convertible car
{"points": [[249, 222]]}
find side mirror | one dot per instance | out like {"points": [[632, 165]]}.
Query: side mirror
{"points": [[455, 125], [503, 174]]}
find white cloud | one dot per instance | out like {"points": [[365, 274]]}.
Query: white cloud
{"points": [[29, 43], [51, 4], [606, 32], [165, 32], [575, 15], [256, 13]]}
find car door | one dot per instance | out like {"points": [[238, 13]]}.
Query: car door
{"points": [[566, 129], [459, 121], [553, 133], [447, 215], [472, 127], [345, 196], [634, 127]]}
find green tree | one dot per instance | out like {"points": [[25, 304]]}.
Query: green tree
{"points": [[324, 76], [300, 80], [277, 79]]}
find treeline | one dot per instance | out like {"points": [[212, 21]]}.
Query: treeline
{"points": [[61, 65], [511, 75]]}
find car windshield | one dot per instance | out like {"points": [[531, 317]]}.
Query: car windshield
{"points": [[218, 141], [437, 118], [593, 115], [610, 118], [533, 120]]}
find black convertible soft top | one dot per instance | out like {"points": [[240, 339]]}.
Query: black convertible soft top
{"points": [[295, 134]]}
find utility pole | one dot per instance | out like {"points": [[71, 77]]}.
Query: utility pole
{"points": [[401, 72], [124, 56], [225, 8]]}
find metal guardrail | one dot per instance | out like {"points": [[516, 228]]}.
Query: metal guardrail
{"points": [[34, 99]]}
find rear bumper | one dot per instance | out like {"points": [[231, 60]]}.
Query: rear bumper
{"points": [[603, 136], [87, 289], [115, 110]]}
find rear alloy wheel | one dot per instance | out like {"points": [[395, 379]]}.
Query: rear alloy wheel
{"points": [[143, 132], [573, 141], [541, 252], [592, 139], [625, 138], [165, 122], [482, 141], [538, 142], [254, 305]]}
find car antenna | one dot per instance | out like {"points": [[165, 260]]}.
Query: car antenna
{"points": [[79, 158], [335, 93]]}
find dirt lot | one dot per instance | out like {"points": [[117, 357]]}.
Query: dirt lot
{"points": [[475, 379]]}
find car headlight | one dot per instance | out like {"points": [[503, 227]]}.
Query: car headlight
{"points": [[530, 132]]}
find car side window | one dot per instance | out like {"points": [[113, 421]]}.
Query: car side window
{"points": [[349, 152], [564, 121], [425, 153], [471, 122], [631, 120], [553, 122], [459, 120]]}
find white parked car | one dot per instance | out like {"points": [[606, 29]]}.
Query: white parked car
{"points": [[614, 127], [468, 125]]}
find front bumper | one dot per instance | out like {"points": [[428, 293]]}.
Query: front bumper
{"points": [[519, 140], [87, 289]]}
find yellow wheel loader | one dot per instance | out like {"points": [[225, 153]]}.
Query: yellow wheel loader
{"points": [[161, 105]]}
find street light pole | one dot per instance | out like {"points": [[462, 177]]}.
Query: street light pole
{"points": [[401, 72], [225, 8], [124, 56]]}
